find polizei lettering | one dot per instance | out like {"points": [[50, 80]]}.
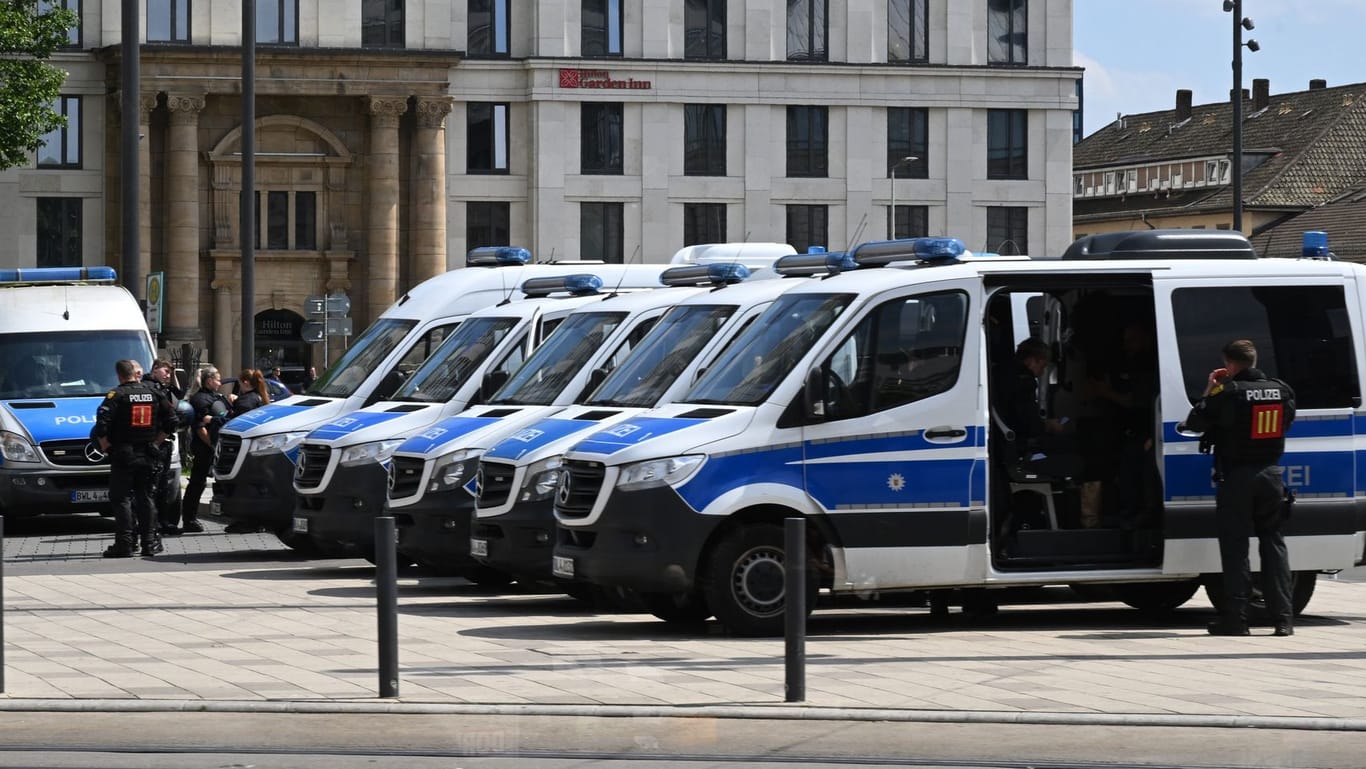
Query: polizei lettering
{"points": [[74, 420], [1264, 394]]}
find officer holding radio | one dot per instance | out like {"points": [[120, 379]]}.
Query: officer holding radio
{"points": [[130, 425], [1244, 416]]}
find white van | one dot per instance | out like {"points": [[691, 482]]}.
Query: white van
{"points": [[254, 461], [61, 331], [864, 402]]}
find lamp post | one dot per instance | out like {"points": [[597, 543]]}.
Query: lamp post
{"points": [[1240, 23], [891, 227]]}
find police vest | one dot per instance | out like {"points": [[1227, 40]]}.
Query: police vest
{"points": [[1262, 412], [138, 413]]}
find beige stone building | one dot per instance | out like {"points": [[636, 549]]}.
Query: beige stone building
{"points": [[393, 136]]}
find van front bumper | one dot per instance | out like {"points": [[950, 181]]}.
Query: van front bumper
{"points": [[44, 492], [344, 514], [261, 493], [435, 531], [520, 541]]}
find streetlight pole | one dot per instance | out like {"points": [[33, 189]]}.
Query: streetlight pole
{"points": [[1240, 22], [891, 228]]}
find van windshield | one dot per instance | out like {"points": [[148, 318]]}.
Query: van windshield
{"points": [[364, 357], [68, 363], [450, 367], [661, 356], [563, 354], [753, 366]]}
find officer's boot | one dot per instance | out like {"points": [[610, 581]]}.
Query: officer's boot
{"points": [[1232, 619], [122, 548]]}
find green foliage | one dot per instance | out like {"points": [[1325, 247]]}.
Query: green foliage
{"points": [[28, 84]]}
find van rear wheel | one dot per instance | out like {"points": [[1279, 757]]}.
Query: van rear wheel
{"points": [[1157, 597], [744, 584], [1302, 584]]}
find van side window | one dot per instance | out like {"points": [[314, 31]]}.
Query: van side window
{"points": [[905, 350], [1302, 334], [424, 347]]}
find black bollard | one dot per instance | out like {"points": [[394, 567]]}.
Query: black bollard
{"points": [[794, 573], [386, 595]]}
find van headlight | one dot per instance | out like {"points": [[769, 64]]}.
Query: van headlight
{"points": [[273, 444], [16, 448], [669, 471], [449, 471], [542, 478], [365, 453]]}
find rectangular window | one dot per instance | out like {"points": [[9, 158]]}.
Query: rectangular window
{"points": [[306, 221], [1008, 230], [61, 147], [704, 29], [807, 226], [907, 137], [277, 220], [1007, 31], [601, 142], [601, 28], [59, 232], [807, 30], [907, 31], [704, 140], [487, 223], [486, 149], [488, 22], [73, 35], [168, 21], [911, 222], [600, 232], [277, 22], [704, 223], [807, 141], [1303, 335], [287, 214], [1007, 154], [381, 23]]}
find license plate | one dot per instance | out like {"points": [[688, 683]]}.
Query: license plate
{"points": [[479, 547], [561, 566], [300, 525], [216, 507], [93, 495]]}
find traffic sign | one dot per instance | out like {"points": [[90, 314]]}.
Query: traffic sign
{"points": [[319, 306], [312, 331], [156, 295], [339, 327]]}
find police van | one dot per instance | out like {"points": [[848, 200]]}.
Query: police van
{"points": [[518, 477], [61, 331], [254, 460], [869, 402]]}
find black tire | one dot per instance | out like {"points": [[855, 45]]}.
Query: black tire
{"points": [[677, 608], [486, 576], [299, 543], [743, 582], [1302, 584], [1157, 597]]}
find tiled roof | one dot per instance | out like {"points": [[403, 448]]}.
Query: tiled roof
{"points": [[1314, 142], [1344, 221]]}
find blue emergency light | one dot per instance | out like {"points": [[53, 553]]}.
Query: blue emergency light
{"points": [[881, 252], [580, 284], [718, 274], [1314, 245], [497, 256], [814, 263], [38, 275]]}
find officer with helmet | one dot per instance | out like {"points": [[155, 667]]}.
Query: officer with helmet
{"points": [[162, 377], [130, 425]]}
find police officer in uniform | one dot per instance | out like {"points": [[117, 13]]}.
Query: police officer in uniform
{"points": [[162, 377], [210, 413], [1244, 415], [130, 425]]}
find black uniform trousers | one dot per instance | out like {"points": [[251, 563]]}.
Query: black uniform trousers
{"points": [[202, 463], [1250, 501], [132, 483]]}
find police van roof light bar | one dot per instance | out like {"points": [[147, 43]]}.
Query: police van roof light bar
{"points": [[497, 256], [1162, 244], [581, 284], [717, 274], [805, 265], [932, 250], [49, 275]]}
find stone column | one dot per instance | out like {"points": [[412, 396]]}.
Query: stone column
{"points": [[181, 223], [225, 343], [382, 185], [428, 189], [146, 103]]}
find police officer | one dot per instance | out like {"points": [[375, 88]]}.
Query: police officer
{"points": [[130, 425], [210, 412], [162, 377], [1244, 415]]}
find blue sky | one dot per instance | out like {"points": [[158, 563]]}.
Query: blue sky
{"points": [[1138, 52]]}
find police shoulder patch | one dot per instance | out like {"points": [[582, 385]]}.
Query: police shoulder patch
{"points": [[1215, 390], [111, 394]]}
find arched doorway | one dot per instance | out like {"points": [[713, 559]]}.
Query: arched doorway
{"points": [[279, 343]]}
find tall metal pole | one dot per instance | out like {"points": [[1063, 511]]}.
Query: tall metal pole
{"points": [[891, 228], [1237, 98], [130, 77], [248, 238]]}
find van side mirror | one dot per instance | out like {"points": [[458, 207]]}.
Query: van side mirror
{"points": [[595, 378], [813, 394], [700, 371], [387, 386], [493, 380]]}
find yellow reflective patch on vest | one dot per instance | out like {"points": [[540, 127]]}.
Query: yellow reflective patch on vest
{"points": [[1215, 390], [110, 394]]}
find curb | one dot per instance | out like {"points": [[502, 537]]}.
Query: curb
{"points": [[764, 712]]}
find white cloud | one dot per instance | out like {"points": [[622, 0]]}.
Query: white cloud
{"points": [[1108, 91]]}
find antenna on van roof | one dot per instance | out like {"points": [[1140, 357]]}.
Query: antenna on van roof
{"points": [[551, 258], [507, 292], [624, 264]]}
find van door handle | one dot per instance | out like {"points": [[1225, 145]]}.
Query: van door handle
{"points": [[946, 434]]}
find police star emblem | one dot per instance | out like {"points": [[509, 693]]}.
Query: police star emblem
{"points": [[896, 482]]}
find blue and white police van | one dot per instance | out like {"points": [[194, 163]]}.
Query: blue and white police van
{"points": [[868, 403], [514, 521], [61, 331], [254, 463]]}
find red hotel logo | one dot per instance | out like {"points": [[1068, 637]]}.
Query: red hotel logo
{"points": [[599, 78]]}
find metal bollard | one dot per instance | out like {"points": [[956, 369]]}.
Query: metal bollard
{"points": [[794, 636], [386, 602]]}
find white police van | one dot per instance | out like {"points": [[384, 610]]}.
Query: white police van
{"points": [[342, 468], [865, 403], [517, 477], [254, 462], [61, 331]]}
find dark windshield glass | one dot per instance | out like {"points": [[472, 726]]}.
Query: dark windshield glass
{"points": [[661, 356], [769, 350], [364, 357], [438, 380], [563, 354], [55, 365]]}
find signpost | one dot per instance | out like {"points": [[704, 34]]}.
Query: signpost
{"points": [[156, 295], [329, 318]]}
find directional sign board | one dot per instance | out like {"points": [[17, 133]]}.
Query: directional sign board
{"points": [[318, 306], [312, 331], [339, 327]]}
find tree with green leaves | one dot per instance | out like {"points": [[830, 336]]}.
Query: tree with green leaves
{"points": [[30, 30]]}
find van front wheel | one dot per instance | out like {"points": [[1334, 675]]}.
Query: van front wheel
{"points": [[744, 583]]}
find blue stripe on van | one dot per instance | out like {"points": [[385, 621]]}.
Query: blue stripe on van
{"points": [[1321, 473], [1326, 427]]}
